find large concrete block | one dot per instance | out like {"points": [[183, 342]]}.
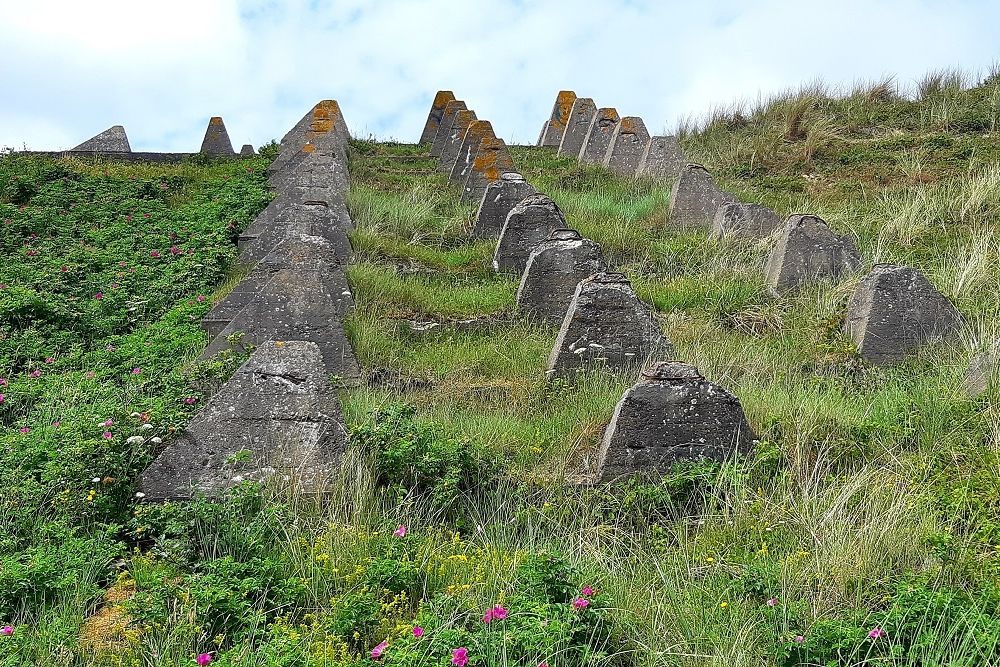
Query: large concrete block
{"points": [[672, 414], [444, 129], [247, 151], [628, 143], [555, 267], [607, 327], [278, 418], [295, 304], [111, 140], [493, 160], [453, 143], [323, 127], [556, 125], [498, 200], [580, 118], [529, 223], [894, 311], [807, 250], [312, 168], [695, 198], [751, 221], [311, 219], [434, 116], [599, 136], [216, 141], [478, 130], [663, 158]]}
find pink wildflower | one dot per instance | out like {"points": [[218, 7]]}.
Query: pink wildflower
{"points": [[107, 435], [587, 591], [418, 631], [136, 370], [379, 650], [64, 269], [190, 400], [25, 430], [122, 264], [201, 298], [876, 633], [799, 639], [154, 253], [2, 398], [581, 603], [174, 250], [204, 659], [772, 602], [400, 531], [35, 373], [108, 422], [7, 630], [99, 296], [497, 613], [56, 424], [109, 347], [89, 375], [50, 360], [460, 656], [3, 382]]}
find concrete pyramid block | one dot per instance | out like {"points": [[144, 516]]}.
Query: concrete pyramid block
{"points": [[580, 117], [247, 150], [216, 141], [672, 414], [295, 304], [556, 125], [323, 127], [751, 221], [628, 144], [493, 160], [894, 311], [444, 128], [555, 267], [478, 130], [606, 327], [663, 158], [808, 250], [528, 224], [498, 200], [312, 168], [111, 140], [695, 198], [453, 143], [278, 417], [434, 115], [599, 136], [541, 135], [311, 219]]}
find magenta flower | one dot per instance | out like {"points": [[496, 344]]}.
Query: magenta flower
{"points": [[418, 631], [204, 659], [50, 360], [35, 374], [581, 603], [174, 250], [109, 347], [7, 630], [25, 430], [108, 422], [99, 296], [201, 298], [154, 253], [64, 269], [122, 264], [772, 602], [2, 398], [3, 382], [460, 656], [400, 531], [587, 591], [56, 424], [876, 633], [89, 375], [497, 613], [136, 370], [799, 639], [107, 435], [379, 650], [190, 400]]}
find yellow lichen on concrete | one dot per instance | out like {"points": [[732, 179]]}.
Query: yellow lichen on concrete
{"points": [[564, 104], [308, 148], [215, 120]]}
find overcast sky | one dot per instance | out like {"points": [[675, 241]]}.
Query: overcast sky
{"points": [[71, 68]]}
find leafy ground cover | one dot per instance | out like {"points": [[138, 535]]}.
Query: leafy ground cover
{"points": [[864, 530]]}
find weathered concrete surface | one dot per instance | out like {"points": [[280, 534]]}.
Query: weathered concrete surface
{"points": [[498, 200], [493, 160], [663, 158], [808, 250], [628, 143], [460, 125], [479, 130], [434, 116], [273, 220], [295, 304], [580, 118], [278, 418], [894, 311], [695, 198], [672, 414], [599, 136], [216, 141], [310, 218], [552, 134], [983, 372], [323, 127], [606, 326], [111, 140], [247, 151], [312, 168], [555, 267], [541, 135], [444, 128], [528, 224], [752, 221], [297, 251]]}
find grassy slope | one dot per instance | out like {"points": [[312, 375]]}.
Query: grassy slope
{"points": [[873, 501]]}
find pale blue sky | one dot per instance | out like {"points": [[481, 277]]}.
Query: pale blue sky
{"points": [[69, 69]]}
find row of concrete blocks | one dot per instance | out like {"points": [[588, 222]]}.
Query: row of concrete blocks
{"points": [[114, 140], [578, 129], [893, 311], [673, 412], [466, 147], [278, 416]]}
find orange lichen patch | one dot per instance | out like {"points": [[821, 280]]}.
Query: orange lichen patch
{"points": [[215, 120], [628, 124], [308, 148], [105, 631], [320, 126], [442, 98], [564, 104]]}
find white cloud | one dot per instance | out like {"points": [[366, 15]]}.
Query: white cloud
{"points": [[71, 69]]}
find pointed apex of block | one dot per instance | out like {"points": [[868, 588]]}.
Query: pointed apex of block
{"points": [[111, 140], [216, 141]]}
